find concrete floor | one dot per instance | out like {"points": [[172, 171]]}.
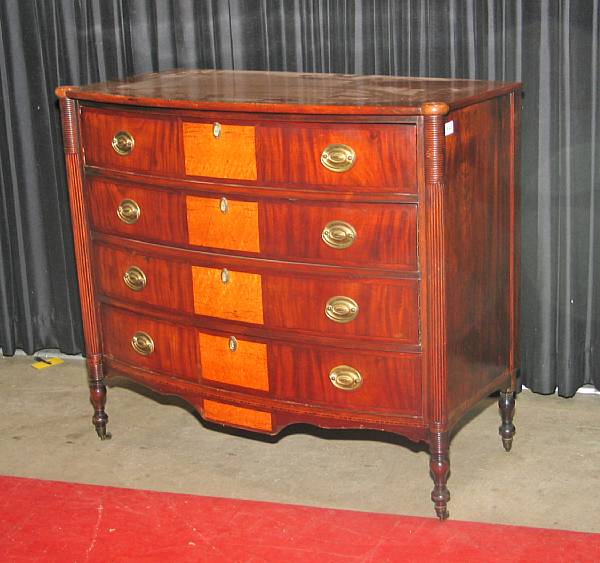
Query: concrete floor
{"points": [[550, 479]]}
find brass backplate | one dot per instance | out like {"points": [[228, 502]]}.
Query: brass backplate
{"points": [[123, 143], [345, 378], [129, 211], [142, 343], [341, 309], [338, 234], [134, 278], [338, 157]]}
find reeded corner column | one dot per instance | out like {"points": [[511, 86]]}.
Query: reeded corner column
{"points": [[433, 128], [89, 311]]}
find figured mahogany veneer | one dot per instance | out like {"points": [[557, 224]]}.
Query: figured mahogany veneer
{"points": [[99, 127], [386, 234], [286, 372], [281, 248], [388, 308], [385, 157]]}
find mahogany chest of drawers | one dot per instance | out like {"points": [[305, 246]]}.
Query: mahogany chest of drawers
{"points": [[279, 248]]}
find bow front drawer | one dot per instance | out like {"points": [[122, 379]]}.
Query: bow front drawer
{"points": [[366, 381], [347, 156], [264, 297], [130, 141], [331, 233], [340, 156]]}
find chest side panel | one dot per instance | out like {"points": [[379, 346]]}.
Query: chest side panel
{"points": [[477, 227]]}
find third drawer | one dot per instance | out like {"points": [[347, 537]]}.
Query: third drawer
{"points": [[272, 296]]}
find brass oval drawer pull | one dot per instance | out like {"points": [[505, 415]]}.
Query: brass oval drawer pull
{"points": [[233, 343], [135, 278], [338, 234], [341, 309], [345, 378], [338, 158], [128, 211], [142, 343], [123, 143]]}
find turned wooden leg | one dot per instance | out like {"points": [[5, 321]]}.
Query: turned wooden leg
{"points": [[507, 411], [439, 466], [98, 398]]}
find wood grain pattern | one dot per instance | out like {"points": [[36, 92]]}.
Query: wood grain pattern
{"points": [[239, 299], [230, 155], [237, 416], [388, 308], [156, 141], [162, 217], [169, 284], [175, 346], [435, 278], [392, 383], [235, 229], [478, 210], [385, 156], [386, 233], [514, 234], [290, 92], [247, 366], [81, 236], [81, 239]]}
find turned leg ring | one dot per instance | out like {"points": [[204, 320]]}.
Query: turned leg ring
{"points": [[506, 403], [439, 466]]}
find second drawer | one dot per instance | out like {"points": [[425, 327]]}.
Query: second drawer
{"points": [[332, 233], [276, 298]]}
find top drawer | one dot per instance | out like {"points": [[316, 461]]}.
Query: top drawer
{"points": [[340, 156], [153, 142]]}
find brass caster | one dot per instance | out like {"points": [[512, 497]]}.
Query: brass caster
{"points": [[103, 434], [442, 513]]}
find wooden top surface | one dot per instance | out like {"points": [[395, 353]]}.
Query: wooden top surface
{"points": [[290, 92]]}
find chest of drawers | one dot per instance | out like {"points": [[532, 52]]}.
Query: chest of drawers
{"points": [[278, 248]]}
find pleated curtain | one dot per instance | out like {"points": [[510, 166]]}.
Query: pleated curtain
{"points": [[551, 46]]}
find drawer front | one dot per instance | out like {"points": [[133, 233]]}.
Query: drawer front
{"points": [[336, 155], [150, 344], [134, 212], [223, 223], [358, 381], [330, 233], [312, 155], [234, 361], [330, 306], [130, 141], [137, 278]]}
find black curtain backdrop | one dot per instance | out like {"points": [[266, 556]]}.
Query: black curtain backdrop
{"points": [[550, 45]]}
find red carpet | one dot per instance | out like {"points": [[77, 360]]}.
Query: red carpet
{"points": [[63, 522]]}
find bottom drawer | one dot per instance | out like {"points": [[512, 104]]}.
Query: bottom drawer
{"points": [[359, 381]]}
